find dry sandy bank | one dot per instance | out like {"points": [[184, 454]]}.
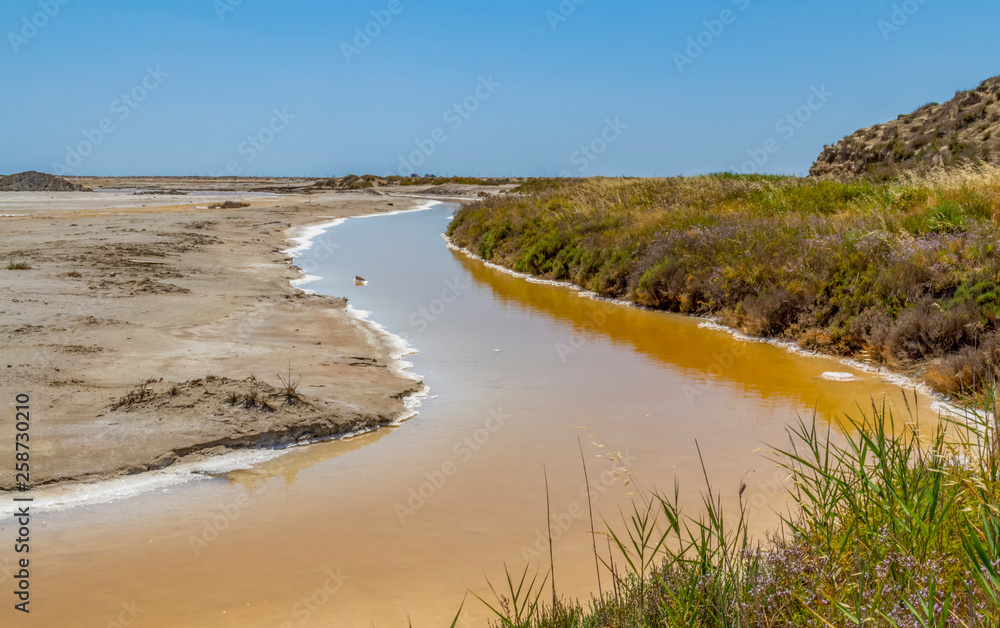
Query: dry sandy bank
{"points": [[196, 302]]}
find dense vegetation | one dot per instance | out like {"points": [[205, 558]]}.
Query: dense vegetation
{"points": [[886, 532], [904, 273]]}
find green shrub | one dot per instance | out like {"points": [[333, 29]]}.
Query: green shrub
{"points": [[900, 269], [945, 218]]}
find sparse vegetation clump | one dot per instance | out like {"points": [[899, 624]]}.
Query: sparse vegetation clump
{"points": [[289, 390], [904, 273], [432, 180], [253, 399], [12, 265], [888, 529], [362, 182], [140, 393], [246, 394], [260, 396], [229, 205]]}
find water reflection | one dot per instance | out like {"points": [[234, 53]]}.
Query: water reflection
{"points": [[703, 357]]}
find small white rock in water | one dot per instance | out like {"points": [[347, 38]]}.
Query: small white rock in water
{"points": [[838, 377], [360, 281]]}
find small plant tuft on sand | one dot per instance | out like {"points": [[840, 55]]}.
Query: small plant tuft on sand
{"points": [[139, 393], [290, 387], [229, 205], [252, 400]]}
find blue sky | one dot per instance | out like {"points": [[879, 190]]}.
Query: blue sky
{"points": [[542, 87]]}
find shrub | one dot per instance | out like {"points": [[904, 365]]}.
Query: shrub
{"points": [[903, 269], [945, 218], [139, 394], [969, 369], [772, 312], [926, 330]]}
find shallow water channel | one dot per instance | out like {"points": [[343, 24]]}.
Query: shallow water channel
{"points": [[403, 522]]}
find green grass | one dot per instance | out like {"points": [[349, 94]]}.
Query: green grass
{"points": [[889, 528], [902, 272]]}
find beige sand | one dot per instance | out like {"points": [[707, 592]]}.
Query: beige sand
{"points": [[194, 301]]}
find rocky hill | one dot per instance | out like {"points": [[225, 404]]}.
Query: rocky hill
{"points": [[965, 129], [32, 181]]}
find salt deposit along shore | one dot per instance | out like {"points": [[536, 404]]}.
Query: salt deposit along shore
{"points": [[151, 330]]}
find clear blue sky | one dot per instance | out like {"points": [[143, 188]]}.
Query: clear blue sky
{"points": [[554, 83]]}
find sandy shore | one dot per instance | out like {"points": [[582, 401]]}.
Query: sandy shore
{"points": [[150, 335]]}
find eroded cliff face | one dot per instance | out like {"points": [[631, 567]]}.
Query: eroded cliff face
{"points": [[962, 130]]}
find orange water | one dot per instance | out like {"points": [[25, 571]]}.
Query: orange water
{"points": [[403, 523]]}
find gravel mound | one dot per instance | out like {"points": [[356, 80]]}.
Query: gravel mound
{"points": [[32, 181]]}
